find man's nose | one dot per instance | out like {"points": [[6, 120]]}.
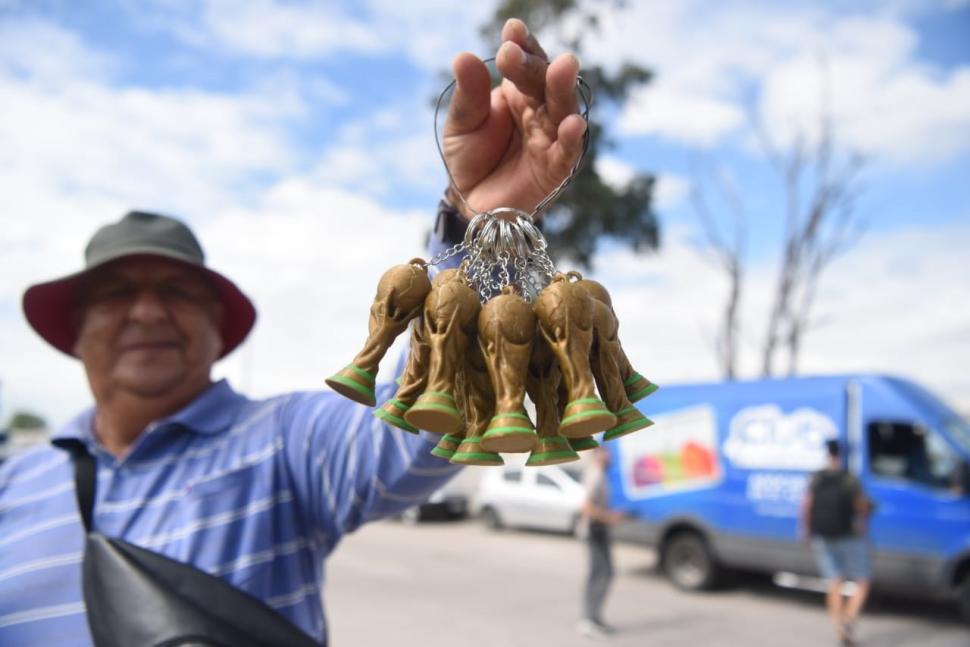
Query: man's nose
{"points": [[147, 306]]}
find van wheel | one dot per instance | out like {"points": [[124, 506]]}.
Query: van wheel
{"points": [[688, 562], [491, 518]]}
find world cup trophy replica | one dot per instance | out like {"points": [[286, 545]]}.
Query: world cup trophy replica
{"points": [[503, 326]]}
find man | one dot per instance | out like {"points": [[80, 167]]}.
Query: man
{"points": [[834, 516], [599, 519], [258, 493]]}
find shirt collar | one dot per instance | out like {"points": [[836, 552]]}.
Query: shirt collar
{"points": [[210, 413]]}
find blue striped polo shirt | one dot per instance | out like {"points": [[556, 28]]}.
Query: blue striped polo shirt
{"points": [[256, 492]]}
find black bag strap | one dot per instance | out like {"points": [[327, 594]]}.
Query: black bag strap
{"points": [[85, 477]]}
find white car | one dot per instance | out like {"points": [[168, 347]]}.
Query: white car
{"points": [[542, 498]]}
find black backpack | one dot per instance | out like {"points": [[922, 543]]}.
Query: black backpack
{"points": [[833, 507]]}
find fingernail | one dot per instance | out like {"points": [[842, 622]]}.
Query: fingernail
{"points": [[523, 57]]}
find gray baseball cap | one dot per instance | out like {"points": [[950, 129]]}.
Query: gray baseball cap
{"points": [[49, 306]]}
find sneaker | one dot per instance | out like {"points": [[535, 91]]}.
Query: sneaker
{"points": [[593, 629]]}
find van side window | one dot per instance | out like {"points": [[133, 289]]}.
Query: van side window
{"points": [[545, 481], [905, 451], [512, 476]]}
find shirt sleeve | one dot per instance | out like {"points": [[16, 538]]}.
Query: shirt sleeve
{"points": [[349, 467]]}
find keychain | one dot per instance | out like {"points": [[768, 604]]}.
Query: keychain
{"points": [[503, 325]]}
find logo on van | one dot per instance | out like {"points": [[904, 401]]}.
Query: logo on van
{"points": [[764, 437]]}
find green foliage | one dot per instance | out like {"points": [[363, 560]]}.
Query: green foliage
{"points": [[590, 210], [27, 420]]}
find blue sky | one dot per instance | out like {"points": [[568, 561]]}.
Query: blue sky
{"points": [[297, 138]]}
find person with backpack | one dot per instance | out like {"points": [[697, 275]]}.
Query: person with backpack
{"points": [[834, 517]]}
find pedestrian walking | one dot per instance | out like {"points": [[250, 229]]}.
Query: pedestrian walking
{"points": [[599, 519], [835, 516]]}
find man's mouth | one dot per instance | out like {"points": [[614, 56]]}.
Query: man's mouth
{"points": [[149, 346]]}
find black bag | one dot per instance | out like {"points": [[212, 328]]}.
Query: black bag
{"points": [[136, 597], [833, 504]]}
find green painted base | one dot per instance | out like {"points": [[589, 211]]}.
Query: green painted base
{"points": [[638, 387], [585, 417], [436, 412], [583, 444], [470, 452], [510, 432], [552, 451], [627, 428], [354, 383], [392, 412], [447, 446]]}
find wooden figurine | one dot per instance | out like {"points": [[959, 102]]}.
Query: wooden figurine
{"points": [[401, 294], [580, 444], [565, 313], [478, 404], [412, 381], [604, 362], [636, 386], [506, 328], [542, 385], [450, 318]]}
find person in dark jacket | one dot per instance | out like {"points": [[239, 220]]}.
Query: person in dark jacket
{"points": [[835, 514]]}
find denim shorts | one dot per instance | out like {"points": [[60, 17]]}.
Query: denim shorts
{"points": [[845, 558]]}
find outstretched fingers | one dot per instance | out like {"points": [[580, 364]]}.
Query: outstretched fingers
{"points": [[469, 106], [562, 99], [568, 147]]}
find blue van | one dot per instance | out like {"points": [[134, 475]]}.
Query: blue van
{"points": [[717, 483]]}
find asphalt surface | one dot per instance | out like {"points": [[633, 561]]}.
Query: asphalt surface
{"points": [[447, 584]]}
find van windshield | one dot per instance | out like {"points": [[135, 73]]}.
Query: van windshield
{"points": [[960, 433]]}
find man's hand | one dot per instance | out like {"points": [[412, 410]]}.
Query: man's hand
{"points": [[511, 146]]}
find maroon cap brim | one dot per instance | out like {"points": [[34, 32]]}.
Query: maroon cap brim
{"points": [[49, 308]]}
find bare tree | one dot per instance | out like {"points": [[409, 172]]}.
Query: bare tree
{"points": [[820, 185], [817, 228], [728, 252]]}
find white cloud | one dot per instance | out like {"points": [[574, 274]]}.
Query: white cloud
{"points": [[63, 55], [428, 32], [325, 249], [712, 60], [614, 171], [668, 191], [681, 116]]}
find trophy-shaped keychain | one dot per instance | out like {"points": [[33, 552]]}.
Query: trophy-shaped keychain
{"points": [[503, 325]]}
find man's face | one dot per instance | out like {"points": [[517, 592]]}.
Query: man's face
{"points": [[148, 327]]}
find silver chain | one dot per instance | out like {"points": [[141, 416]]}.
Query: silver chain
{"points": [[502, 252]]}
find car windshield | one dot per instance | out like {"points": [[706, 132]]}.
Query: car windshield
{"points": [[574, 473]]}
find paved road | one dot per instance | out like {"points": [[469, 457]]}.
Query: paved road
{"points": [[449, 584]]}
